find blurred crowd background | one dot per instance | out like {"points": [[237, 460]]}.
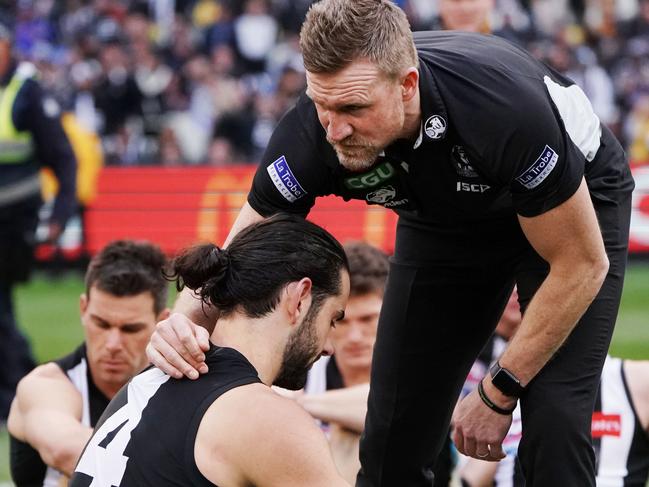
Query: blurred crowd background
{"points": [[188, 82]]}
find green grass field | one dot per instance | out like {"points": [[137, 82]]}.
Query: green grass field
{"points": [[48, 311]]}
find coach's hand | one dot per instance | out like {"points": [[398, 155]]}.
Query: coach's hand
{"points": [[479, 431], [177, 347]]}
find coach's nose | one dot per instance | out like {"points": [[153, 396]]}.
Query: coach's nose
{"points": [[337, 127]]}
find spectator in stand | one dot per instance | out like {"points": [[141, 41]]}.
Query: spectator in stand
{"points": [[581, 66], [482, 16], [255, 34], [466, 15], [631, 74], [221, 32], [261, 38], [117, 97], [637, 131], [637, 25]]}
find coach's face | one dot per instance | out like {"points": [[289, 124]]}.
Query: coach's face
{"points": [[117, 330], [361, 109]]}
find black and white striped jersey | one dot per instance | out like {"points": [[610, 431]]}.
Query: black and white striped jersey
{"points": [[621, 444]]}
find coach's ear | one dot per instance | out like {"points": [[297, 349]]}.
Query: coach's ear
{"points": [[409, 84], [298, 299]]}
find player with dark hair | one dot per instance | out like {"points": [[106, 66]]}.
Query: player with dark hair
{"points": [[280, 286], [58, 403]]}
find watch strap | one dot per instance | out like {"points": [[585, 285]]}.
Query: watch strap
{"points": [[490, 404]]}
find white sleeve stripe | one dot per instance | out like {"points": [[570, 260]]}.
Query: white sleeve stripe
{"points": [[581, 123]]}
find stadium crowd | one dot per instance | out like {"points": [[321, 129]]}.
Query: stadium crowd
{"points": [[205, 81]]}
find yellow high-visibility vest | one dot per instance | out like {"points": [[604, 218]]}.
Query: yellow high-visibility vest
{"points": [[15, 146]]}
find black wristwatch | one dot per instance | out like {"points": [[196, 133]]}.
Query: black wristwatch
{"points": [[505, 381]]}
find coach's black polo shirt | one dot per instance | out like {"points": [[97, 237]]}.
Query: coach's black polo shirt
{"points": [[501, 134]]}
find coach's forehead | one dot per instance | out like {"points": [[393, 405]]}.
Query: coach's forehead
{"points": [[352, 84]]}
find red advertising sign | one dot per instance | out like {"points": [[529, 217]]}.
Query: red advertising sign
{"points": [[175, 207], [639, 237]]}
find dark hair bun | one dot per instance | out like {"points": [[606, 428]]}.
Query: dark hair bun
{"points": [[202, 267]]}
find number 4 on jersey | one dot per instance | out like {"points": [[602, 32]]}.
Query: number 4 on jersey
{"points": [[103, 459]]}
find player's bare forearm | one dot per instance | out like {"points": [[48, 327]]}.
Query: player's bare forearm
{"points": [[46, 413], [61, 443], [346, 407]]}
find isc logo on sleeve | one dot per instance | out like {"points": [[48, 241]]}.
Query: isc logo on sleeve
{"points": [[537, 172], [284, 180]]}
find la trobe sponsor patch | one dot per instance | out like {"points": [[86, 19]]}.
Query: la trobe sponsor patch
{"points": [[284, 180], [542, 167]]}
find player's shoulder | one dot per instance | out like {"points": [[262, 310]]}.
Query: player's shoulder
{"points": [[47, 371], [243, 430], [260, 405], [47, 386], [255, 411]]}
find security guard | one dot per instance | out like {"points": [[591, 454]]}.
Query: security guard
{"points": [[31, 136]]}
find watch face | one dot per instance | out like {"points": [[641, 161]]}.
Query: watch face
{"points": [[505, 381]]}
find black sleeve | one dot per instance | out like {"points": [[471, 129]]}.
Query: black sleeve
{"points": [[41, 117], [291, 174], [509, 124]]}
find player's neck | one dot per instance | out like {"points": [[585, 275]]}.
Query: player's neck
{"points": [[255, 340], [108, 389]]}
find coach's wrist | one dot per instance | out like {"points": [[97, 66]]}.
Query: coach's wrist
{"points": [[498, 398]]}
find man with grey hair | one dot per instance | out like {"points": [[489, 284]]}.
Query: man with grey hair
{"points": [[500, 173]]}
